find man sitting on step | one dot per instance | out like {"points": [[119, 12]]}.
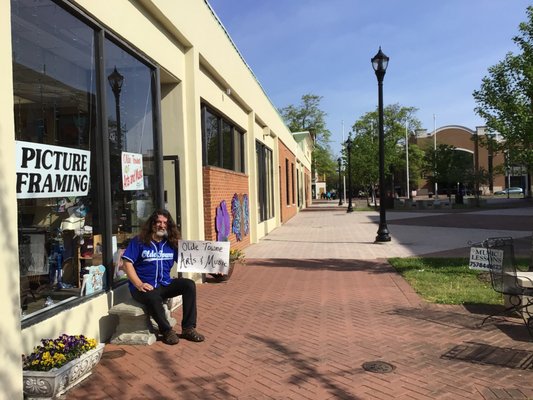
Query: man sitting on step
{"points": [[147, 263]]}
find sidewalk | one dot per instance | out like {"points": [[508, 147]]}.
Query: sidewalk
{"points": [[315, 302]]}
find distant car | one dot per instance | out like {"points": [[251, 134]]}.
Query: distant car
{"points": [[511, 190]]}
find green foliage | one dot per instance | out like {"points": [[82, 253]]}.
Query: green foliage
{"points": [[447, 280], [448, 166], [307, 116], [364, 155], [505, 98]]}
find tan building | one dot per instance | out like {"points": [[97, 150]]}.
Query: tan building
{"points": [[470, 141], [112, 109]]}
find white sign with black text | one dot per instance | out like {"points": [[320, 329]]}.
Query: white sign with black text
{"points": [[479, 258], [203, 256], [132, 171], [45, 171]]}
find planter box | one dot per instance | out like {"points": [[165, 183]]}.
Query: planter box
{"points": [[53, 383]]}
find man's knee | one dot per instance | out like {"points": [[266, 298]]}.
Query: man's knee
{"points": [[189, 285]]}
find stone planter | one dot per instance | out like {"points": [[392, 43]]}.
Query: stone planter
{"points": [[53, 383]]}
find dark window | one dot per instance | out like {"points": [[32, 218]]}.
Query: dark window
{"points": [[223, 142], [287, 182], [265, 182], [298, 188], [211, 137], [227, 146], [292, 183]]}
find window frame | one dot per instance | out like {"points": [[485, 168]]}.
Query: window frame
{"points": [[236, 141]]}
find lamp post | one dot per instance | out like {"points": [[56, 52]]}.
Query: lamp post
{"points": [[435, 154], [380, 62], [116, 80], [339, 161], [408, 193], [349, 150]]}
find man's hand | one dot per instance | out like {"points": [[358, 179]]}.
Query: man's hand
{"points": [[145, 287]]}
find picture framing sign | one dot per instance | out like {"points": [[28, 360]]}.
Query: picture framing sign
{"points": [[207, 257], [45, 171], [479, 259]]}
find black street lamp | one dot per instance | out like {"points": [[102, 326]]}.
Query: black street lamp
{"points": [[340, 186], [116, 80], [380, 62], [349, 150]]}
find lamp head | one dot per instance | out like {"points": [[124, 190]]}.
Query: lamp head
{"points": [[349, 142], [380, 63], [116, 80]]}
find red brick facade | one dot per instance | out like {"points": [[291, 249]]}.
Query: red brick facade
{"points": [[221, 184], [287, 179]]}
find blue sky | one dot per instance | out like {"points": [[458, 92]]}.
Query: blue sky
{"points": [[439, 52]]}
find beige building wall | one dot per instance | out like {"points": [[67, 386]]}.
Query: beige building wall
{"points": [[10, 338]]}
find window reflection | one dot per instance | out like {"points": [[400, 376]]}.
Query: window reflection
{"points": [[131, 145], [222, 142], [55, 111]]}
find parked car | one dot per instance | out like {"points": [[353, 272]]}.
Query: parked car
{"points": [[510, 190]]}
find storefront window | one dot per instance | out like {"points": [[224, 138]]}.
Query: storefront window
{"points": [[223, 142], [265, 182], [65, 159], [131, 146], [55, 127]]}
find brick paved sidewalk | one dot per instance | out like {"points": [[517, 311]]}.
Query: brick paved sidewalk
{"points": [[302, 330], [291, 326]]}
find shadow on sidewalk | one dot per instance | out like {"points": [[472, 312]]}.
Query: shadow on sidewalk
{"points": [[307, 370], [330, 264]]}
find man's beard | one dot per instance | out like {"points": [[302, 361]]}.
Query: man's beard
{"points": [[161, 233]]}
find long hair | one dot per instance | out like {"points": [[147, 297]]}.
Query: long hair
{"points": [[172, 230]]}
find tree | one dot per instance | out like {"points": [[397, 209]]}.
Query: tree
{"points": [[448, 167], [505, 99], [308, 116], [364, 157]]}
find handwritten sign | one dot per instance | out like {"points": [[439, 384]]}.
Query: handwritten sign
{"points": [[132, 171], [203, 256], [479, 258]]}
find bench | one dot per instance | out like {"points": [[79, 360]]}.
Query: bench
{"points": [[134, 325]]}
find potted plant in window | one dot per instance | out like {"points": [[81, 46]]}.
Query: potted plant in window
{"points": [[58, 364]]}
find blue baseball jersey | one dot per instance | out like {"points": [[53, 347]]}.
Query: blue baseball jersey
{"points": [[152, 262]]}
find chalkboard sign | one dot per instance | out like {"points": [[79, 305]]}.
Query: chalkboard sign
{"points": [[203, 256]]}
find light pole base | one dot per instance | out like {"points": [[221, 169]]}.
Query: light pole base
{"points": [[383, 234]]}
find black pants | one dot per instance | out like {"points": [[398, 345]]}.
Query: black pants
{"points": [[154, 301]]}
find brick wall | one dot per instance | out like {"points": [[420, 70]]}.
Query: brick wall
{"points": [[221, 184], [287, 210]]}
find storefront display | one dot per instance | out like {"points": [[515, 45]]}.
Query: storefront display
{"points": [[86, 174]]}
